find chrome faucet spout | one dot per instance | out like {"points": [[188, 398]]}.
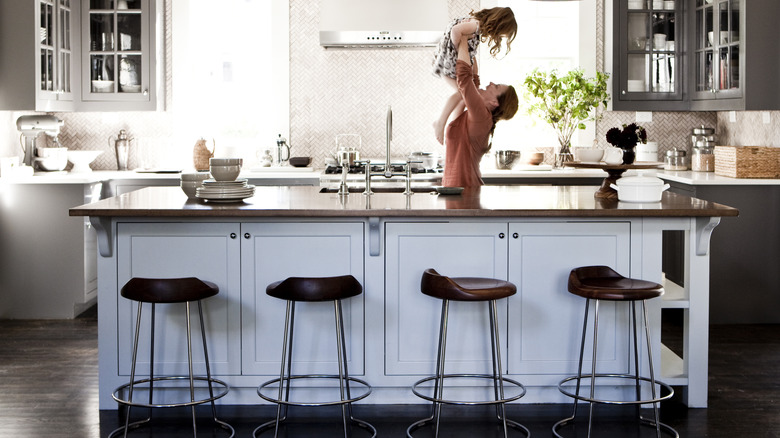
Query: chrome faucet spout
{"points": [[389, 137]]}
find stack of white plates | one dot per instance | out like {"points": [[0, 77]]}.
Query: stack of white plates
{"points": [[225, 191]]}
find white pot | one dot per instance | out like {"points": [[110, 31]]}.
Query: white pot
{"points": [[639, 189]]}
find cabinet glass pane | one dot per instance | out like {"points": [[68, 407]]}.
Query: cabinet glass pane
{"points": [[705, 79], [729, 68], [47, 24], [638, 73], [102, 73], [64, 40], [638, 31], [130, 74], [129, 28], [101, 32], [101, 4], [47, 69], [64, 71]]}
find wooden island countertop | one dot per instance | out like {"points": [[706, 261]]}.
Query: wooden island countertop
{"points": [[487, 201]]}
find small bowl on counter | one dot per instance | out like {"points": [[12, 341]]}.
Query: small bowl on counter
{"points": [[300, 161], [81, 160], [191, 181], [506, 160]]}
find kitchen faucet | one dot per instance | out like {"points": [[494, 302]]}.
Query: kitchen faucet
{"points": [[388, 173]]}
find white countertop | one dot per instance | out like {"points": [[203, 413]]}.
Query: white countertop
{"points": [[684, 177]]}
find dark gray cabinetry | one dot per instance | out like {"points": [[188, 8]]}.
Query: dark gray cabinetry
{"points": [[744, 280], [724, 55], [648, 43], [735, 55]]}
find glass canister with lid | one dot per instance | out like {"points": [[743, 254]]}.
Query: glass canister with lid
{"points": [[703, 141], [675, 159]]}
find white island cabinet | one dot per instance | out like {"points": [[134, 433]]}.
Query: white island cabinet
{"points": [[531, 236]]}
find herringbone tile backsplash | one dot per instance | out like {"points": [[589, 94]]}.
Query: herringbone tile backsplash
{"points": [[336, 92]]}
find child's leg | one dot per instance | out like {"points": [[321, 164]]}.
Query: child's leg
{"points": [[454, 104]]}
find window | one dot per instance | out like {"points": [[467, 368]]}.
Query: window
{"points": [[560, 35], [234, 55]]}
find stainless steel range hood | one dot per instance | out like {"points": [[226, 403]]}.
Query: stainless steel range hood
{"points": [[382, 23]]}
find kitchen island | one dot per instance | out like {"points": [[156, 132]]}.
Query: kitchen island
{"points": [[530, 235]]}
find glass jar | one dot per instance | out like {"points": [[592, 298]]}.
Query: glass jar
{"points": [[676, 160], [703, 159]]}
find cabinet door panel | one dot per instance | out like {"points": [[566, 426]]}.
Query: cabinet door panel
{"points": [[275, 251], [540, 260], [205, 251], [412, 319]]}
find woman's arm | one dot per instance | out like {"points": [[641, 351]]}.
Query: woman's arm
{"points": [[465, 77]]}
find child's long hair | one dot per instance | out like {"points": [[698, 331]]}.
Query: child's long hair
{"points": [[496, 24]]}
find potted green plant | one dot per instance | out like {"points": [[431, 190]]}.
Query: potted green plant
{"points": [[565, 102]]}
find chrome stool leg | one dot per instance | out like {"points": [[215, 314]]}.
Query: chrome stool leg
{"points": [[656, 423], [496, 377], [285, 379]]}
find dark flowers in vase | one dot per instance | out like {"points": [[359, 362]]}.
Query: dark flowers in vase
{"points": [[628, 137]]}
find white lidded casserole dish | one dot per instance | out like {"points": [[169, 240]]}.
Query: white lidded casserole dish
{"points": [[639, 188]]}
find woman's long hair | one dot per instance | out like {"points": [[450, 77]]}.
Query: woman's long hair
{"points": [[506, 109], [495, 24]]}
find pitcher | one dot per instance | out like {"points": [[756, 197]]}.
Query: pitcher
{"points": [[121, 144], [201, 154]]}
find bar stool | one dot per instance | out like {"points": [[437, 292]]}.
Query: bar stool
{"points": [[602, 283], [166, 291], [475, 290], [296, 289]]}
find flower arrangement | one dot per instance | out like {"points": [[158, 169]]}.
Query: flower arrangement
{"points": [[628, 137], [565, 101]]}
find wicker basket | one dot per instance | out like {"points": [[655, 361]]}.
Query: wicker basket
{"points": [[747, 161]]}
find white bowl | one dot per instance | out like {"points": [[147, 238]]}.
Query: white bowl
{"points": [[190, 187], [226, 161], [225, 173], [102, 86], [52, 159], [588, 155], [81, 160], [195, 176], [640, 189]]}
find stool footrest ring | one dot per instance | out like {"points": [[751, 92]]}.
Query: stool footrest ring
{"points": [[513, 383], [427, 421], [615, 402], [272, 424], [364, 387], [220, 391], [642, 420]]}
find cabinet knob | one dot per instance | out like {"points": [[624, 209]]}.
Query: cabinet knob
{"points": [[515, 235], [623, 92], [247, 235], [233, 235], [500, 235], [146, 92]]}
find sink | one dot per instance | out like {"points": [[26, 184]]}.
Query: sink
{"points": [[428, 189]]}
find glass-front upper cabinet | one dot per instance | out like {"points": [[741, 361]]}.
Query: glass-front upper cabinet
{"points": [[36, 54], [56, 53], [647, 62], [116, 44], [717, 49]]}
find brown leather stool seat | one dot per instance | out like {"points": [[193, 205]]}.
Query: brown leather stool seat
{"points": [[464, 288], [168, 290], [603, 283], [154, 291], [277, 391], [467, 289], [598, 283], [315, 289]]}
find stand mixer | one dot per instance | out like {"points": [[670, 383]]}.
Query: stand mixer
{"points": [[30, 127]]}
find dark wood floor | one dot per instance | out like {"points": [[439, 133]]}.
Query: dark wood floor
{"points": [[48, 388]]}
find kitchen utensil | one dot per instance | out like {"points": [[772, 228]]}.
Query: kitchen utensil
{"points": [[639, 188], [81, 160], [676, 160], [533, 158], [505, 160], [51, 159], [448, 190], [201, 154], [225, 169], [427, 160], [613, 155], [282, 150], [121, 144], [347, 156]]}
